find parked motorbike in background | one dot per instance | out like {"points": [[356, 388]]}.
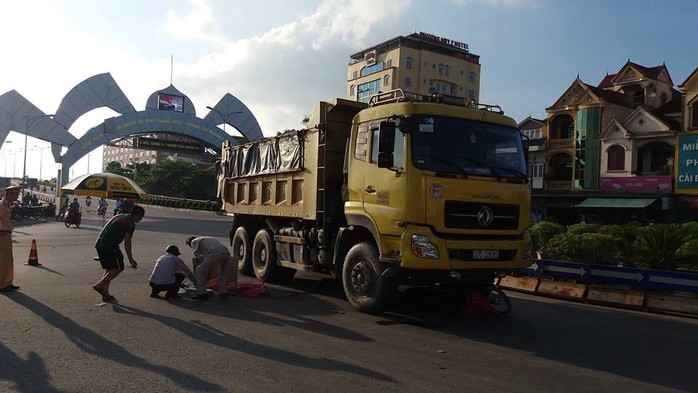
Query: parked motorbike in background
{"points": [[20, 211], [49, 209]]}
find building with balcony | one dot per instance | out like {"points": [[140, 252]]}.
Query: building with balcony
{"points": [[610, 148], [419, 63]]}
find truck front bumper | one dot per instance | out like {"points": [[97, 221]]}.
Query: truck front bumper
{"points": [[421, 249]]}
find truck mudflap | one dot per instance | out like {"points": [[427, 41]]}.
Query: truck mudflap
{"points": [[423, 250]]}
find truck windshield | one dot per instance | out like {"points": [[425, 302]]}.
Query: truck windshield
{"points": [[466, 147]]}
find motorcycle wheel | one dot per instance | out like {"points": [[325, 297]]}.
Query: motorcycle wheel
{"points": [[67, 224]]}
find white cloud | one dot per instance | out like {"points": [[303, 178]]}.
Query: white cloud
{"points": [[281, 73], [199, 24], [507, 3]]}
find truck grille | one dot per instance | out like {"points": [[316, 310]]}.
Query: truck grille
{"points": [[468, 215], [468, 255]]}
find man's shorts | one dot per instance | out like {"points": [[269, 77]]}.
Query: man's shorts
{"points": [[110, 259]]}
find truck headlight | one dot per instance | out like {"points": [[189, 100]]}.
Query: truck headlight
{"points": [[528, 251], [422, 247]]}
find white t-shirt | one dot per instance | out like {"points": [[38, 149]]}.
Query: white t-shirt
{"points": [[165, 268], [205, 246]]}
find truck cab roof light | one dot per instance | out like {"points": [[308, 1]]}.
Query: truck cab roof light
{"points": [[398, 95]]}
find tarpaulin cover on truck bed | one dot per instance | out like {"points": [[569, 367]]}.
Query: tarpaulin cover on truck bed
{"points": [[283, 153]]}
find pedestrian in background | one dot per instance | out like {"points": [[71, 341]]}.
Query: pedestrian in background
{"points": [[7, 262], [117, 205], [169, 273], [119, 228], [62, 207], [209, 252]]}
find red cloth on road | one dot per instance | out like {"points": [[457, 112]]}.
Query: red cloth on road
{"points": [[248, 290]]}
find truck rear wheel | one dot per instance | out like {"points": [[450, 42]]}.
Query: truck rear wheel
{"points": [[242, 250], [264, 259], [263, 255], [364, 287]]}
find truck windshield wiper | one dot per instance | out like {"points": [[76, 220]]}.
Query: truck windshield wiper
{"points": [[518, 174], [447, 162], [482, 164]]}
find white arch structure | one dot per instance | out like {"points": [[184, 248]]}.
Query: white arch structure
{"points": [[20, 115]]}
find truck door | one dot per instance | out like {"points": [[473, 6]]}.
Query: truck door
{"points": [[384, 182]]}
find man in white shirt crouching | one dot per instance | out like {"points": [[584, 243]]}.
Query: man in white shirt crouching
{"points": [[168, 273]]}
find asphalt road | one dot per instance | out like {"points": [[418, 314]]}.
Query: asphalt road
{"points": [[304, 337]]}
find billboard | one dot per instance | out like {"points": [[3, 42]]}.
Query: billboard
{"points": [[170, 102], [687, 163]]}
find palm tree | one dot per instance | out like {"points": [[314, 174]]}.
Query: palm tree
{"points": [[658, 245]]}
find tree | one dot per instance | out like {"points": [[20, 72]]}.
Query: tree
{"points": [[181, 179], [659, 245]]}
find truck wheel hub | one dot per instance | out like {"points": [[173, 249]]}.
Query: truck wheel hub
{"points": [[361, 278]]}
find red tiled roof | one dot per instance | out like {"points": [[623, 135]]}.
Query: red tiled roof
{"points": [[647, 72], [606, 81], [608, 95]]}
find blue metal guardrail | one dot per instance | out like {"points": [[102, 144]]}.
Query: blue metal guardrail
{"points": [[634, 277]]}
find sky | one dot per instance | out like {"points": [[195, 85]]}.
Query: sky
{"points": [[279, 57]]}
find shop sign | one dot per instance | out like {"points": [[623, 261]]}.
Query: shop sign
{"points": [[657, 184]]}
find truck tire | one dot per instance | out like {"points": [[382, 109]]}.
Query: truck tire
{"points": [[364, 287], [264, 256], [242, 250]]}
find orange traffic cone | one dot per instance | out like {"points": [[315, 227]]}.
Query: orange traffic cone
{"points": [[33, 257]]}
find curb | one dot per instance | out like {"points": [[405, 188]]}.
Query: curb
{"points": [[674, 303], [562, 289], [606, 294], [685, 304]]}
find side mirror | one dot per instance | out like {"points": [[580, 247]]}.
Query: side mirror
{"points": [[386, 137], [386, 144], [385, 160]]}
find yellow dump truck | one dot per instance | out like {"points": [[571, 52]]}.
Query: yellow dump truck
{"points": [[406, 190]]}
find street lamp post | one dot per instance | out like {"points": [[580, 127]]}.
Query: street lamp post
{"points": [[26, 135], [7, 166], [224, 117], [24, 166], [41, 160]]}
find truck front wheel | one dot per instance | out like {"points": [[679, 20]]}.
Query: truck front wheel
{"points": [[242, 250], [363, 285]]}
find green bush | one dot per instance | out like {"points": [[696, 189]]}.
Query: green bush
{"points": [[628, 233], [562, 247], [580, 229], [543, 232], [601, 248], [587, 247]]}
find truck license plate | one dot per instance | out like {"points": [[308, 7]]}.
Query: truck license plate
{"points": [[485, 254]]}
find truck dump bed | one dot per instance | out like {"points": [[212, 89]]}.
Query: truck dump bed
{"points": [[297, 174]]}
